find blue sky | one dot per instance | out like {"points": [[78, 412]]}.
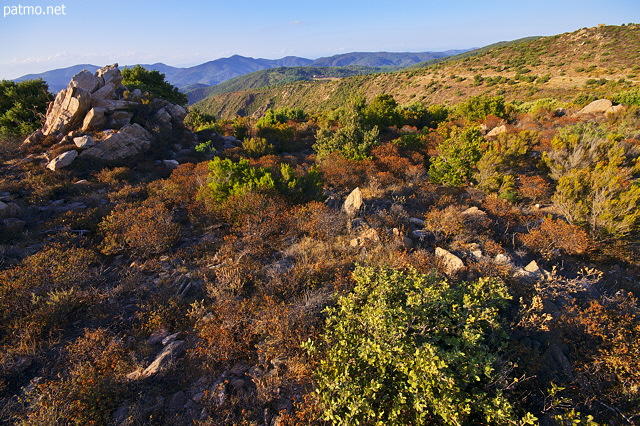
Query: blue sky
{"points": [[191, 32]]}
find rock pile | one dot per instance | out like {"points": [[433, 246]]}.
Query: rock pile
{"points": [[97, 119]]}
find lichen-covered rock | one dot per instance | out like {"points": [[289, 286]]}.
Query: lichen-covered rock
{"points": [[85, 80], [353, 203]]}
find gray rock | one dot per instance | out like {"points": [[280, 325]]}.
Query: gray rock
{"points": [[13, 225], [177, 112], [171, 164], [67, 111], [109, 74], [502, 259], [497, 131], [94, 120], [84, 142], [63, 160], [9, 210], [119, 119], [353, 203], [163, 116], [451, 262], [108, 91], [129, 142], [170, 338], [164, 360], [368, 236], [85, 80], [615, 109], [111, 105], [533, 268], [415, 221], [419, 233], [177, 401]]}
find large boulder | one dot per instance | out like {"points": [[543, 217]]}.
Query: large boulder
{"points": [[450, 261], [353, 203], [596, 107], [127, 144], [85, 80], [63, 160], [109, 74], [67, 111], [94, 119]]}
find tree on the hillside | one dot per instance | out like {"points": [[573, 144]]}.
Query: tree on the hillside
{"points": [[22, 106], [383, 112], [153, 82], [457, 159], [353, 139]]}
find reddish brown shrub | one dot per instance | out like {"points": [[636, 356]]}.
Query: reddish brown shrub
{"points": [[555, 236], [142, 230], [534, 188]]}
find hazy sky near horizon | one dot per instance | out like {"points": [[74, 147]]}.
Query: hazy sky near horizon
{"points": [[190, 32]]}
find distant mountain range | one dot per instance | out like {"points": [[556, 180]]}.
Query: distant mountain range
{"points": [[220, 70]]}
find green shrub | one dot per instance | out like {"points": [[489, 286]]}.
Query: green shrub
{"points": [[498, 165], [22, 106], [629, 97], [153, 82], [408, 348], [257, 147], [198, 120], [383, 111], [228, 178], [478, 107], [597, 179], [353, 140], [458, 155]]}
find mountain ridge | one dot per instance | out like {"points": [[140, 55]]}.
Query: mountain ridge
{"points": [[590, 62], [220, 70]]}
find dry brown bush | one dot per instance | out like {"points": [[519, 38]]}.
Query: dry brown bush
{"points": [[142, 230], [555, 237]]}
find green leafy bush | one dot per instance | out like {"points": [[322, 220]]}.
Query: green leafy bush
{"points": [[228, 178], [22, 106], [498, 165], [459, 154], [258, 147], [353, 140], [478, 107], [153, 82], [597, 179], [409, 348]]}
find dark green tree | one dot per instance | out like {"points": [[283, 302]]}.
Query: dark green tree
{"points": [[459, 154], [22, 106], [153, 82], [353, 138]]}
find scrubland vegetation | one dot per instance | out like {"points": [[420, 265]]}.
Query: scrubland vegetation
{"points": [[488, 277]]}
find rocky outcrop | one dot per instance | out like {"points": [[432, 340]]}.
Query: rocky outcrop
{"points": [[133, 140], [67, 110], [107, 124]]}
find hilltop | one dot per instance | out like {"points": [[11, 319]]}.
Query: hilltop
{"points": [[594, 61]]}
